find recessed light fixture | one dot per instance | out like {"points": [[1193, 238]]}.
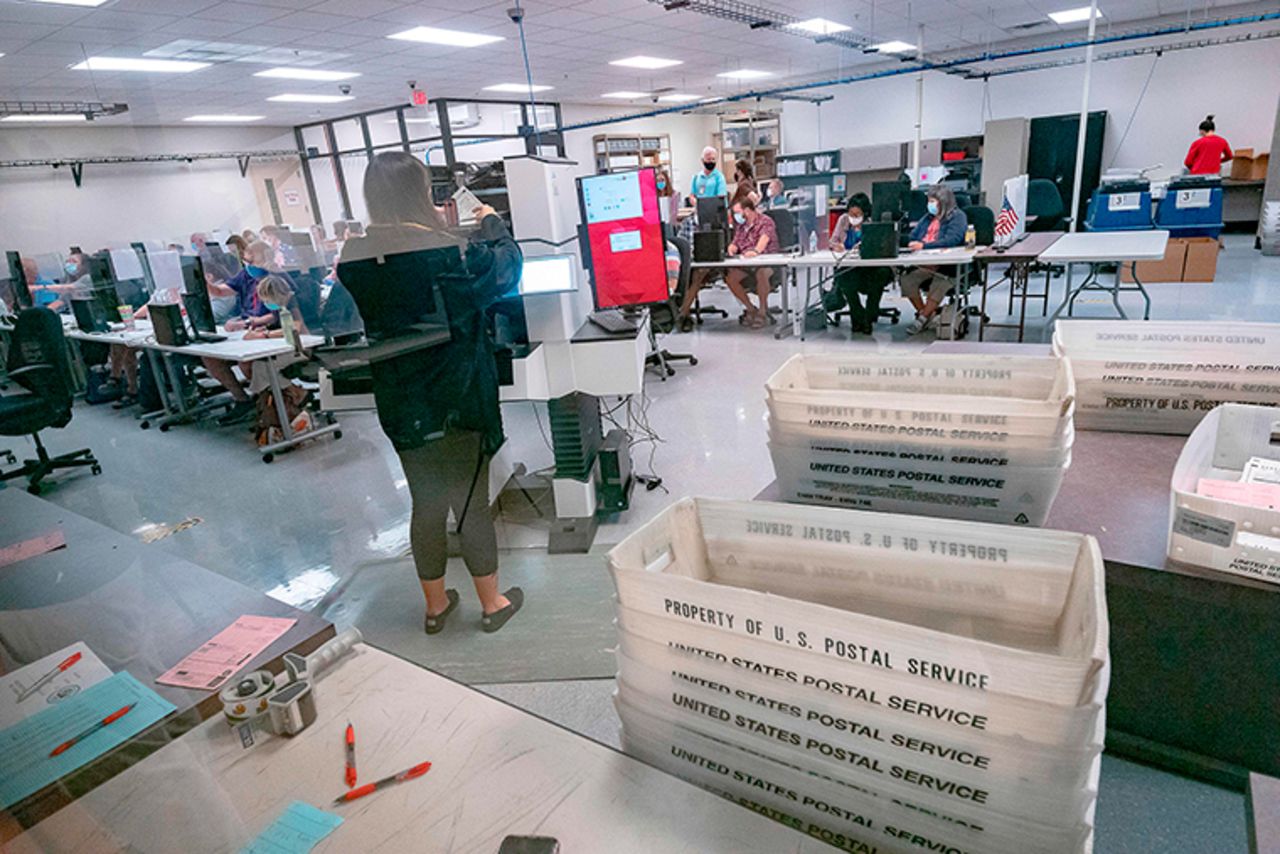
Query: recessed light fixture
{"points": [[894, 46], [224, 117], [1072, 16], [124, 63], [452, 38], [307, 74], [311, 99], [648, 62], [47, 117], [677, 98], [745, 74], [517, 87], [72, 2], [627, 96], [819, 26]]}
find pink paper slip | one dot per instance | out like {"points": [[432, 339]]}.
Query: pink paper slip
{"points": [[46, 542], [1264, 495], [226, 653]]}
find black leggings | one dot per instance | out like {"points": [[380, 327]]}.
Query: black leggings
{"points": [[444, 474]]}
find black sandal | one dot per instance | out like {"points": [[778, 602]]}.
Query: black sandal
{"points": [[434, 625], [492, 622], [685, 323]]}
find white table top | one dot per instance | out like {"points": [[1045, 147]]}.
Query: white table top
{"points": [[827, 258], [234, 349], [495, 771], [1108, 246]]}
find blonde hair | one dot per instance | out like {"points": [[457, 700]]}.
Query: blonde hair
{"points": [[275, 289]]}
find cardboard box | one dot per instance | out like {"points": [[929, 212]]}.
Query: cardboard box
{"points": [[1167, 269], [1201, 263], [1260, 164], [1242, 164]]}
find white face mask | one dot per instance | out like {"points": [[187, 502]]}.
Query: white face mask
{"points": [[855, 221]]}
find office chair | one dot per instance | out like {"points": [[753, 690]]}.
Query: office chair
{"points": [[664, 315], [962, 199], [38, 362], [784, 222], [306, 289], [1045, 210]]}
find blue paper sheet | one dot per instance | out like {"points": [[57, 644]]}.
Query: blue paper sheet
{"points": [[25, 764], [296, 831]]}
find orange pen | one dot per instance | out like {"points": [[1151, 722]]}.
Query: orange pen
{"points": [[45, 679], [107, 721], [351, 755], [370, 788]]}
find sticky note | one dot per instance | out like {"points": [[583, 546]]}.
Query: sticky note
{"points": [[297, 830], [25, 764]]}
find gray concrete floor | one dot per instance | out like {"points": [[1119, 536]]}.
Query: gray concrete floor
{"points": [[303, 528]]}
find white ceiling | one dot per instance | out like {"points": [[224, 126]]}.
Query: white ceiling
{"points": [[570, 45]]}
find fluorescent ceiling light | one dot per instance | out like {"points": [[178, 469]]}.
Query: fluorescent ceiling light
{"points": [[629, 96], [47, 117], [647, 62], [223, 118], [819, 26], [311, 99], [452, 38], [72, 2], [677, 97], [307, 74], [894, 46], [124, 63], [745, 74], [1072, 16], [517, 87]]}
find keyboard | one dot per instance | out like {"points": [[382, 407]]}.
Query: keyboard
{"points": [[612, 321], [206, 338]]}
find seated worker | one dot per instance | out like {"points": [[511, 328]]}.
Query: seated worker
{"points": [[251, 314], [777, 195], [942, 227], [755, 234], [856, 282]]}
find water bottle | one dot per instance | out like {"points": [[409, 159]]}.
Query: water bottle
{"points": [[970, 237], [286, 325], [813, 242]]}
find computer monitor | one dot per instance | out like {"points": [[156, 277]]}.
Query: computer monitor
{"points": [[104, 286], [89, 314], [193, 275], [549, 274], [624, 247], [888, 197], [18, 284], [713, 213], [147, 277], [200, 312]]}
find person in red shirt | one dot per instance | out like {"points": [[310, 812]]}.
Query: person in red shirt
{"points": [[1209, 152]]}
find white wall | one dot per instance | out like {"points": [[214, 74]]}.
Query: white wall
{"points": [[41, 209], [1238, 83], [689, 135]]}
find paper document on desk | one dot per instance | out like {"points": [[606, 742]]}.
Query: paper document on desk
{"points": [[25, 764], [32, 547], [296, 831], [85, 671], [1261, 470], [226, 653]]}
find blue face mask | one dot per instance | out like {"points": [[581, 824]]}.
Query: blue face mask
{"points": [[739, 218], [71, 268], [256, 272], [662, 185], [933, 208], [271, 306]]}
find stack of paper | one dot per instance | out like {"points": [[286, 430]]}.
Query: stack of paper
{"points": [[882, 682], [1269, 232], [1164, 376], [986, 438], [1226, 494]]}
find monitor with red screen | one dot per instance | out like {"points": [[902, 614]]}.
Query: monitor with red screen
{"points": [[625, 246]]}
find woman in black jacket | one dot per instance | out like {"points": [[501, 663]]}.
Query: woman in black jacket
{"points": [[439, 406]]}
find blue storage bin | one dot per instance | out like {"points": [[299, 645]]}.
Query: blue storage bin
{"points": [[1119, 207], [1191, 209]]}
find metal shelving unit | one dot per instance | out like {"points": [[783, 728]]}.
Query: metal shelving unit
{"points": [[752, 136], [620, 152]]}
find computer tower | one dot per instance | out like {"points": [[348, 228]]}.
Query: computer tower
{"points": [[616, 481], [166, 320], [708, 246], [879, 240], [575, 434]]}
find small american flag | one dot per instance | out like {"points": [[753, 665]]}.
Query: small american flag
{"points": [[1007, 221]]}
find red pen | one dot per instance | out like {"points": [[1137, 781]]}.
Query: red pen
{"points": [[370, 788], [44, 680], [107, 721], [351, 755]]}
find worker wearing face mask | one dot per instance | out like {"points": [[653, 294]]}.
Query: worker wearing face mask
{"points": [[854, 283], [710, 181], [668, 198]]}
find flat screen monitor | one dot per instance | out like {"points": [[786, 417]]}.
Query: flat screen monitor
{"points": [[624, 247], [145, 262], [549, 274], [18, 284], [713, 213], [888, 197], [193, 275], [200, 312]]}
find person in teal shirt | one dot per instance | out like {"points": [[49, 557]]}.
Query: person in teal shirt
{"points": [[710, 181]]}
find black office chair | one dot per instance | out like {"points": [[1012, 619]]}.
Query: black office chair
{"points": [[39, 363], [1045, 210], [962, 199], [662, 317], [983, 221], [784, 222]]}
